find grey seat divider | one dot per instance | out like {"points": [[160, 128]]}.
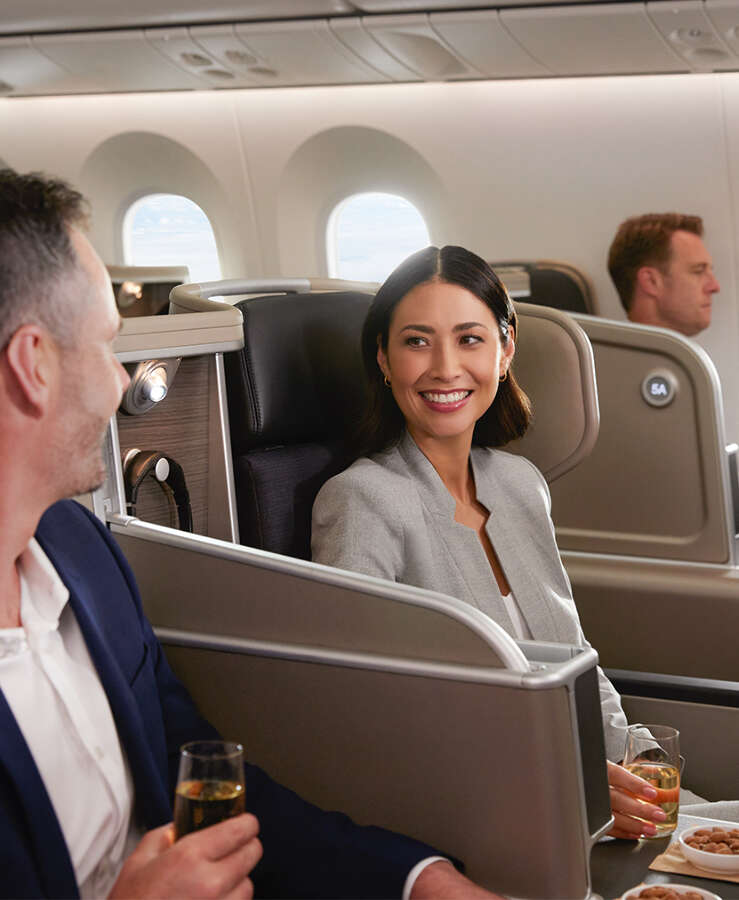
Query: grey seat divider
{"points": [[656, 484], [404, 708]]}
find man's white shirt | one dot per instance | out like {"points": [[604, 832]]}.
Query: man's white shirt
{"points": [[54, 692]]}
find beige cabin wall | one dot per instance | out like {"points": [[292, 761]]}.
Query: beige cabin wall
{"points": [[512, 169]]}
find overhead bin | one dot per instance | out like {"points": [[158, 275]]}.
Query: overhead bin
{"points": [[25, 70], [353, 35], [113, 61], [606, 39], [27, 16], [413, 41], [308, 52], [482, 39]]}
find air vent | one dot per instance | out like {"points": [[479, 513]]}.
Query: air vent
{"points": [[687, 29], [195, 59], [241, 58], [219, 74], [264, 72], [724, 16], [221, 44]]}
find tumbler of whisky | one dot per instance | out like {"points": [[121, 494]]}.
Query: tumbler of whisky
{"points": [[210, 785], [653, 753]]}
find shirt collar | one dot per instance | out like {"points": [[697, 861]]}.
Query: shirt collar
{"points": [[43, 594]]}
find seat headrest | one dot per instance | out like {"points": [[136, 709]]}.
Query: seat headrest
{"points": [[555, 284], [300, 376], [554, 366]]}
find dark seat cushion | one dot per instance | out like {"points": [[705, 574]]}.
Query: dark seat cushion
{"points": [[275, 490], [294, 392]]}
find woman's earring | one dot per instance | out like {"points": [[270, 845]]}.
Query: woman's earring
{"points": [[387, 381], [503, 377]]}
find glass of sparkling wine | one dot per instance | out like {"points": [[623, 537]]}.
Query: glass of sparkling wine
{"points": [[210, 785], [653, 753]]}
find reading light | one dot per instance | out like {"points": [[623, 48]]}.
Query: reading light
{"points": [[150, 382]]}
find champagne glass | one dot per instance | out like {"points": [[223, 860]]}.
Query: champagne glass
{"points": [[653, 753], [210, 785]]}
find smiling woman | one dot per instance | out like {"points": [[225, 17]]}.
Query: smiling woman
{"points": [[434, 503], [431, 284]]}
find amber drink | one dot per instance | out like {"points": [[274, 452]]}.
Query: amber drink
{"points": [[210, 786], [653, 753]]}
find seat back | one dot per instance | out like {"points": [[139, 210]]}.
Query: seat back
{"points": [[316, 671], [144, 290], [298, 386], [657, 481], [548, 282]]}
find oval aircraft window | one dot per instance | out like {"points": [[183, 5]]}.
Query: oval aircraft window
{"points": [[369, 234], [170, 230]]}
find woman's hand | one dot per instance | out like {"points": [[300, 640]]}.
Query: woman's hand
{"points": [[631, 796]]}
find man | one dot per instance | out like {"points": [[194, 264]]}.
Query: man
{"points": [[91, 716], [663, 272]]}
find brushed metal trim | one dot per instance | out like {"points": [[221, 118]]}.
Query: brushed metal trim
{"points": [[110, 498], [562, 677], [181, 350], [656, 561], [481, 625], [222, 447]]}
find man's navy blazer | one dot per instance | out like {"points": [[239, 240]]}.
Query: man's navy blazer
{"points": [[307, 852]]}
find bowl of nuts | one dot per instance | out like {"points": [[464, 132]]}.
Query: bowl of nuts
{"points": [[715, 848], [668, 892]]}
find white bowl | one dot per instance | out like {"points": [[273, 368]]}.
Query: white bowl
{"points": [[710, 862], [678, 888]]}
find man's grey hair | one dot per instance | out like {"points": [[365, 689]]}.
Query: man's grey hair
{"points": [[41, 281]]}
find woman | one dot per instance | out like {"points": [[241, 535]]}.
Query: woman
{"points": [[430, 502]]}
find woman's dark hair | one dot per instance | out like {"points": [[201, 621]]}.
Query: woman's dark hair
{"points": [[383, 423]]}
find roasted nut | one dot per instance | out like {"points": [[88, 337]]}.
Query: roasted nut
{"points": [[660, 892]]}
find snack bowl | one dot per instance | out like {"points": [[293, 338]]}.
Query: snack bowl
{"points": [[710, 860], [682, 890]]}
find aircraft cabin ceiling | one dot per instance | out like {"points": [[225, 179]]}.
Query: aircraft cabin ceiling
{"points": [[93, 46]]}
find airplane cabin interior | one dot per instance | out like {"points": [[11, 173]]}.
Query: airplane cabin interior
{"points": [[525, 131]]}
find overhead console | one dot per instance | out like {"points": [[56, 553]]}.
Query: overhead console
{"points": [[363, 42]]}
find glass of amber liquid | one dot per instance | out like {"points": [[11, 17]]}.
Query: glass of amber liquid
{"points": [[210, 785], [653, 753]]}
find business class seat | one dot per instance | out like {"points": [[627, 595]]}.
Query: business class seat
{"points": [[144, 290], [403, 707], [653, 484], [548, 282], [298, 385], [646, 526]]}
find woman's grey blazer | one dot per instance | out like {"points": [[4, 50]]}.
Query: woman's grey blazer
{"points": [[391, 516]]}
